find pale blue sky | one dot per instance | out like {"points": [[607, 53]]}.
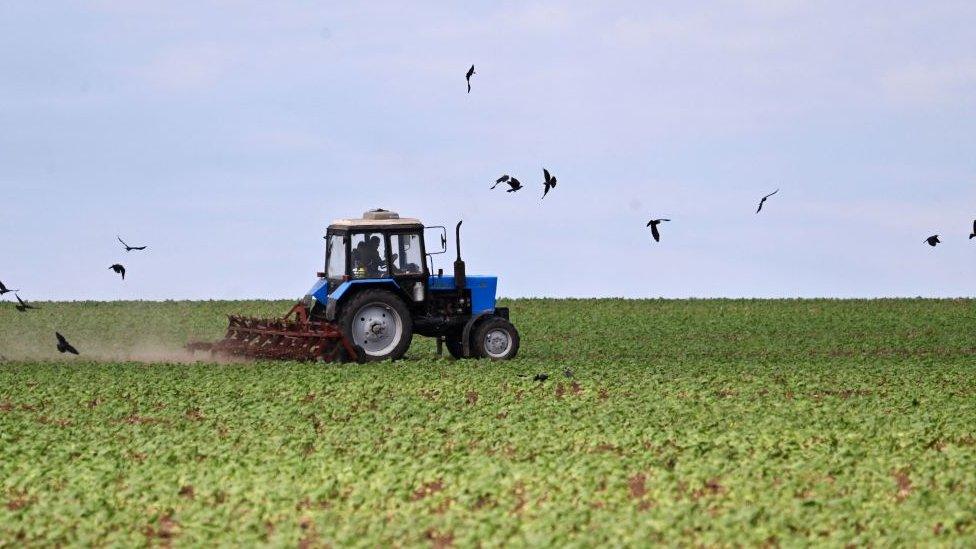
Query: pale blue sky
{"points": [[227, 135]]}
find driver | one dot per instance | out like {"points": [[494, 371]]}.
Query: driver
{"points": [[370, 256]]}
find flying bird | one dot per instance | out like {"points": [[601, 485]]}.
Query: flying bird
{"points": [[502, 179], [549, 183], [4, 289], [653, 225], [127, 247], [22, 305], [64, 346], [933, 240], [119, 269], [468, 77], [540, 377], [763, 201], [972, 236], [515, 185]]}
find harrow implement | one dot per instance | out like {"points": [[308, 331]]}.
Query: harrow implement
{"points": [[291, 337]]}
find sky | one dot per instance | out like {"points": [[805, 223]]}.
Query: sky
{"points": [[227, 135]]}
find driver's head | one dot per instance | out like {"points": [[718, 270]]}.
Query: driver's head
{"points": [[374, 242]]}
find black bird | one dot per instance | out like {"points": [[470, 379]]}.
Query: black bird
{"points": [[64, 346], [22, 305], [119, 269], [972, 236], [761, 202], [549, 183], [127, 247], [502, 179], [4, 289], [568, 373], [540, 377], [468, 77], [515, 185], [933, 240], [653, 225]]}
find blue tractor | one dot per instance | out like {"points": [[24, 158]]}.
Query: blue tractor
{"points": [[377, 292]]}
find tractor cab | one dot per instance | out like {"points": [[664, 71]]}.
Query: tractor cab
{"points": [[380, 245]]}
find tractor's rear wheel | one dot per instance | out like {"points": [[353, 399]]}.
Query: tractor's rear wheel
{"points": [[378, 322], [495, 338]]}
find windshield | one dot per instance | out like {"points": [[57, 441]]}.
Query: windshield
{"points": [[368, 255], [335, 257]]}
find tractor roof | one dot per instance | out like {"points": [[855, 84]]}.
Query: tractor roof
{"points": [[377, 218]]}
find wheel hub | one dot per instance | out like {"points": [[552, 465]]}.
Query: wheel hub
{"points": [[497, 343], [377, 329]]}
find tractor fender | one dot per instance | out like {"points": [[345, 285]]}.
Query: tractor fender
{"points": [[466, 334], [350, 287]]}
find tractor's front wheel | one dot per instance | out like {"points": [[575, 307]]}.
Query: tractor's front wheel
{"points": [[378, 322], [495, 338]]}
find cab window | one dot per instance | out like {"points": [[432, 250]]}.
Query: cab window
{"points": [[406, 256], [335, 257], [368, 255]]}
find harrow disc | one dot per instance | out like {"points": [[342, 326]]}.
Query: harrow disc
{"points": [[292, 337]]}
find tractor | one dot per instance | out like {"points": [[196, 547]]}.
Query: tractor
{"points": [[375, 293]]}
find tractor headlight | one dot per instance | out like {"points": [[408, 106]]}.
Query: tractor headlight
{"points": [[418, 291]]}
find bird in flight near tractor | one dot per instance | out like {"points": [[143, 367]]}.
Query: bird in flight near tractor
{"points": [[763, 201], [127, 247], [22, 305], [653, 225], [515, 184], [549, 183], [503, 179], [4, 289], [119, 269], [468, 77], [64, 346]]}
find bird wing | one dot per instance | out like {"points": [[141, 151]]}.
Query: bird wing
{"points": [[19, 300], [470, 72], [514, 183], [649, 223], [770, 194], [760, 205], [502, 179], [545, 174], [655, 234], [139, 247], [974, 226], [122, 241], [61, 338]]}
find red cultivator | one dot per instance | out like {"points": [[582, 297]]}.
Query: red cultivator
{"points": [[292, 337]]}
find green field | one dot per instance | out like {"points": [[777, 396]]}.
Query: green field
{"points": [[715, 422]]}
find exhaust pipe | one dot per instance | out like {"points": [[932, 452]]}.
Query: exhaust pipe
{"points": [[459, 279]]}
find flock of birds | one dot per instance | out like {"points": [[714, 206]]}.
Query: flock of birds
{"points": [[549, 183], [23, 306]]}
